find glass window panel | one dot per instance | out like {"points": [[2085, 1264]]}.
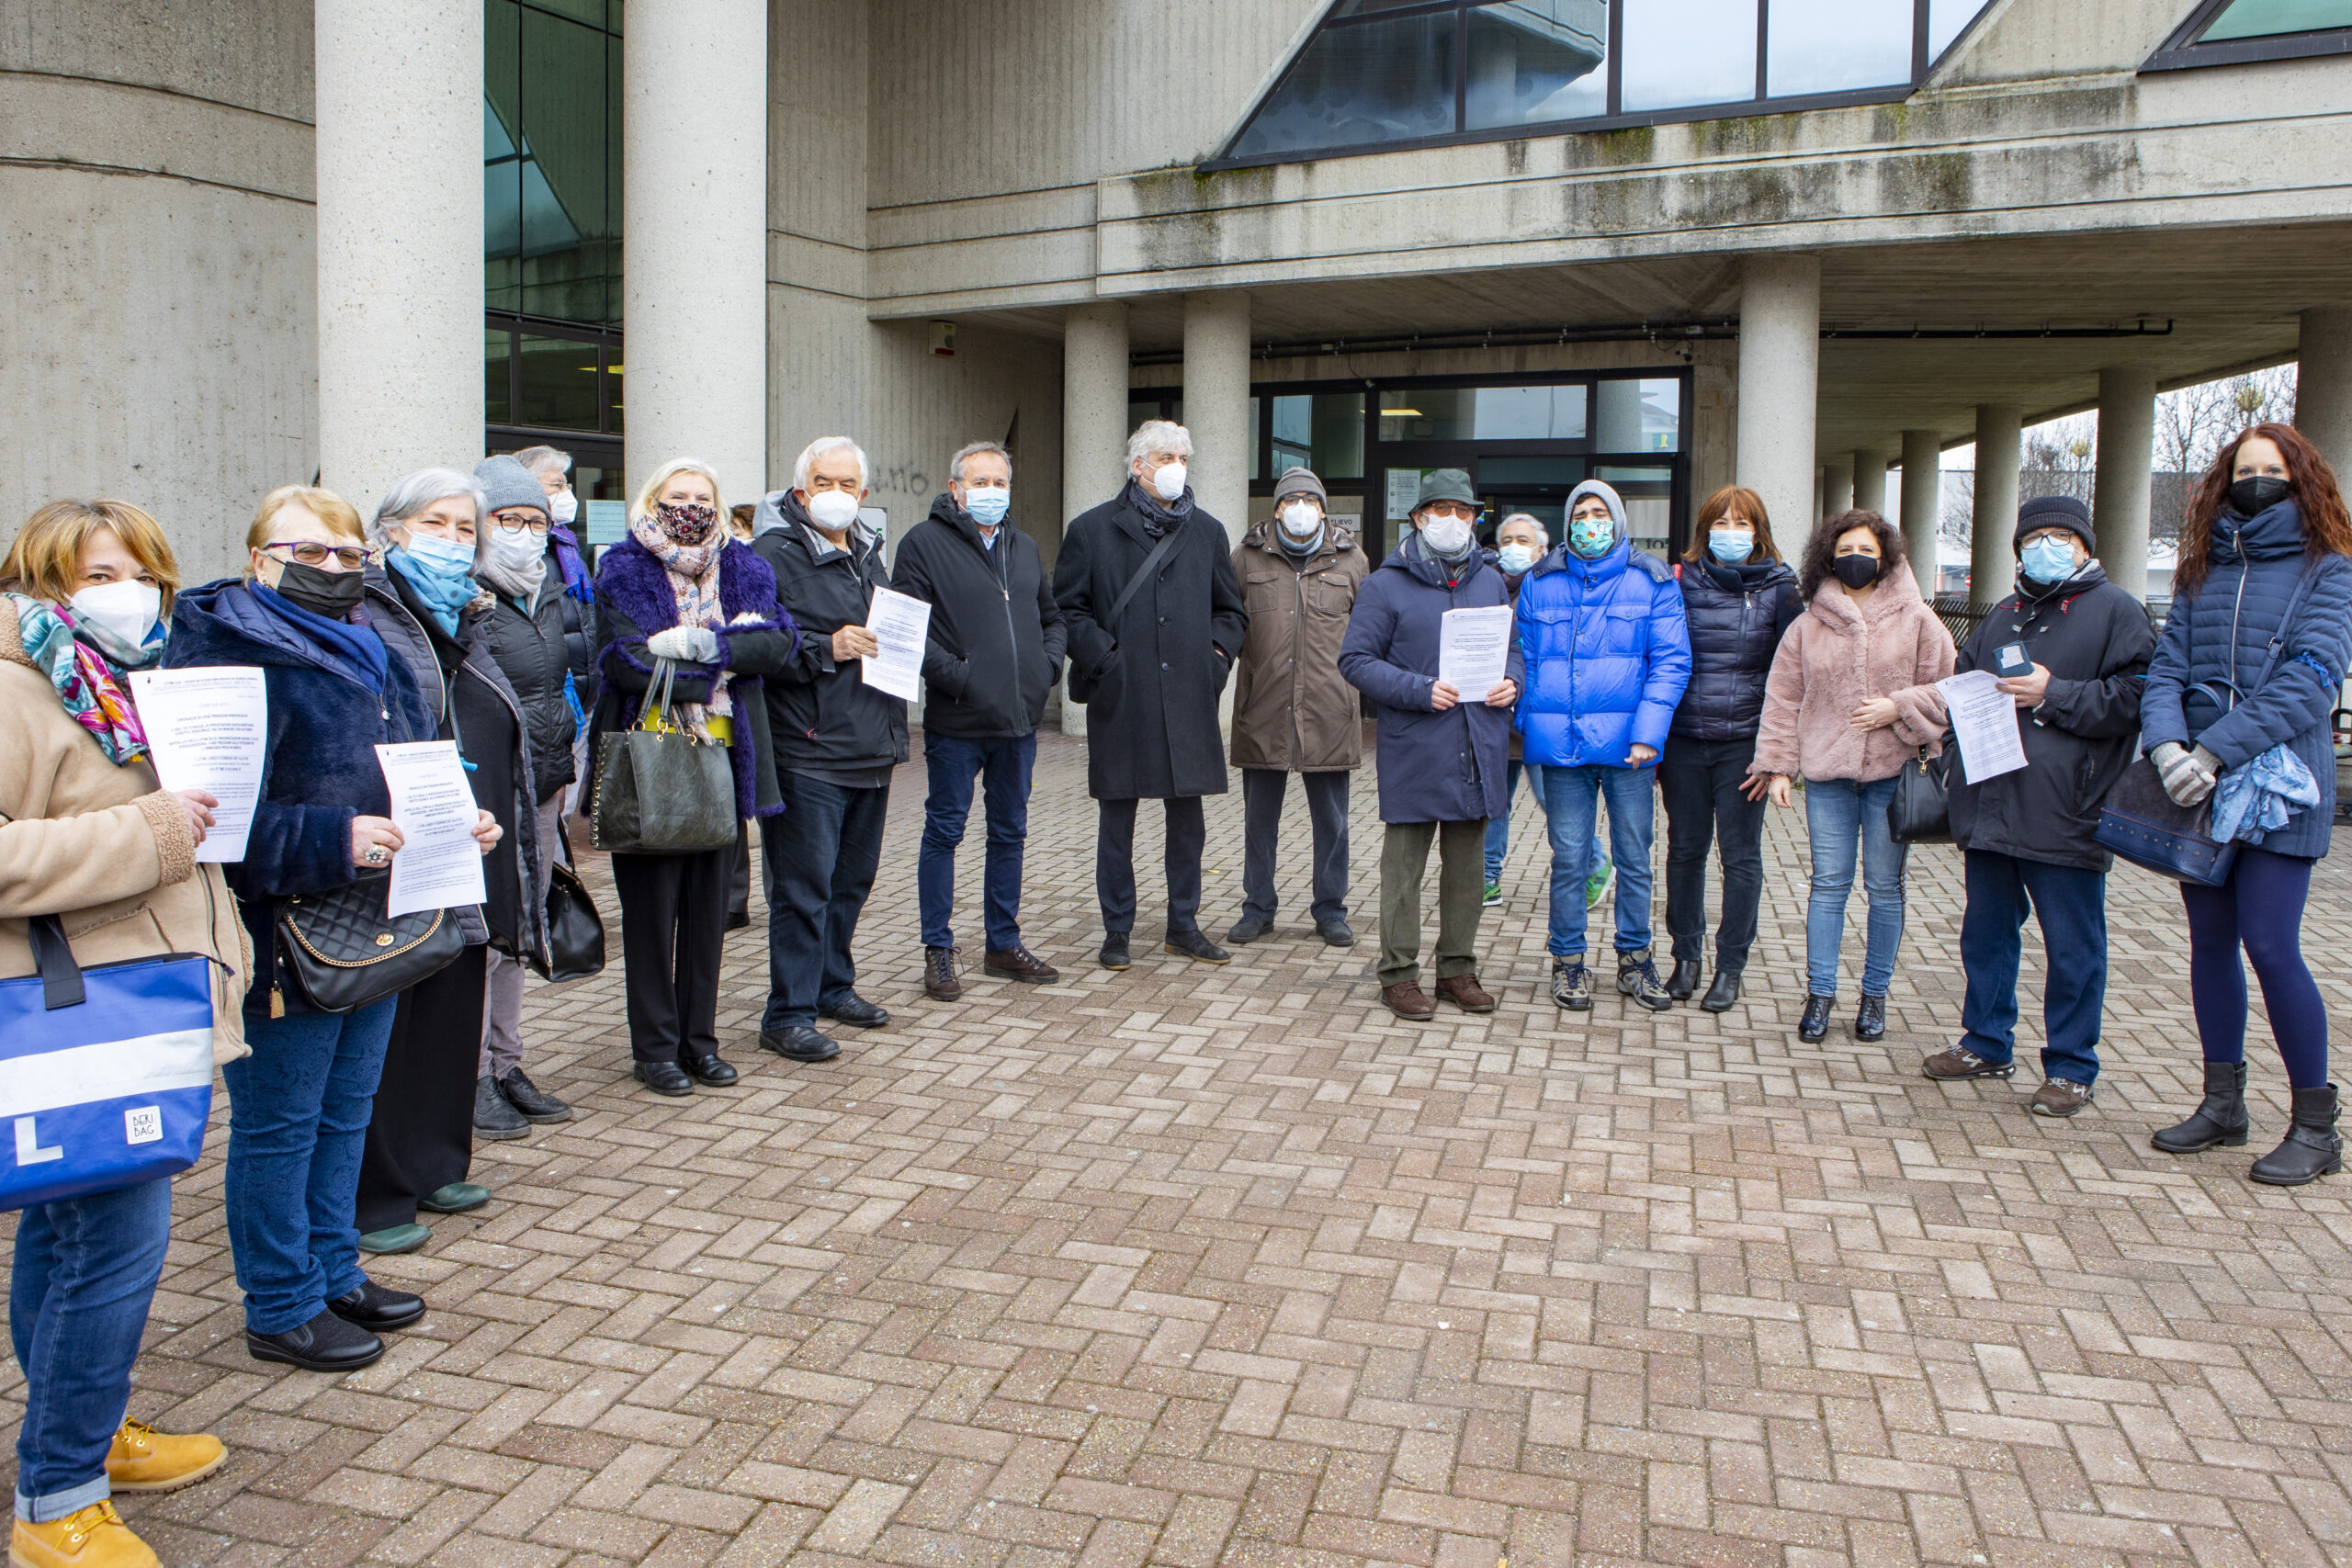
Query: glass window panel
{"points": [[497, 396], [613, 393], [1530, 413], [1497, 473], [1257, 456], [1388, 80], [1428, 413], [1947, 19], [1638, 416], [1322, 431], [1836, 46], [1537, 61], [1679, 52], [2268, 18], [558, 384]]}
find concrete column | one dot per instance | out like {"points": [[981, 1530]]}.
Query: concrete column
{"points": [[695, 239], [1836, 495], [2323, 385], [2127, 445], [1992, 565], [1779, 356], [1094, 423], [1216, 404], [1923, 497], [399, 267], [1870, 481]]}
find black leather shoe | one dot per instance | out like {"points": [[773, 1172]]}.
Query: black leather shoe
{"points": [[853, 1010], [325, 1344], [1870, 1019], [1197, 947], [799, 1044], [1114, 950], [1248, 928], [1684, 980], [526, 1098], [1814, 1025], [1722, 994], [1336, 932], [376, 1309], [664, 1077], [713, 1071]]}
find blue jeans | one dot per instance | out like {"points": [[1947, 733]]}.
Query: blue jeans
{"points": [[1499, 828], [297, 1122], [84, 1273], [820, 858], [2070, 902], [1003, 767], [1839, 813], [1572, 799]]}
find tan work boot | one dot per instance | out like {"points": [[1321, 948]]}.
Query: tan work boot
{"points": [[144, 1460], [94, 1536]]}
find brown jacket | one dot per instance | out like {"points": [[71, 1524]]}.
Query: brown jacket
{"points": [[1836, 655], [105, 848], [1292, 712]]}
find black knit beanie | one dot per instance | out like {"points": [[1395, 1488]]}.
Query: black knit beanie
{"points": [[2053, 512]]}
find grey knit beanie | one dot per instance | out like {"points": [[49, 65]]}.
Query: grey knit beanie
{"points": [[506, 482]]}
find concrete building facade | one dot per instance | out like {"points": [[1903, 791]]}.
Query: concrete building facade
{"points": [[1542, 239]]}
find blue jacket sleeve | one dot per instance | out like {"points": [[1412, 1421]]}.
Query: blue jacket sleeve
{"points": [[295, 849], [2162, 716], [1363, 656], [1669, 667], [2307, 680]]}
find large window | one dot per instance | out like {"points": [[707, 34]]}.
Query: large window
{"points": [[1384, 73], [552, 158], [2234, 32]]}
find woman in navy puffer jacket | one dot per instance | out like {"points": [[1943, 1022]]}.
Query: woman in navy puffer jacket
{"points": [[1739, 597], [2265, 579]]}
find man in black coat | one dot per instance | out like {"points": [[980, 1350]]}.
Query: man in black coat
{"points": [[995, 649], [836, 740], [1150, 664], [2029, 834]]}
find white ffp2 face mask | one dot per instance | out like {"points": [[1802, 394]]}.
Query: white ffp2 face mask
{"points": [[127, 609], [1168, 482], [563, 506], [833, 510], [1301, 520], [1446, 537]]}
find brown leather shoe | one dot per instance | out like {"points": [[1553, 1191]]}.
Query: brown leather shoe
{"points": [[1021, 964], [939, 978], [1464, 992], [1408, 1001]]}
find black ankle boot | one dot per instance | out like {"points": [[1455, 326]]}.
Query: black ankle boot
{"points": [[2311, 1149], [1870, 1019], [2220, 1120], [1683, 980], [1814, 1025]]}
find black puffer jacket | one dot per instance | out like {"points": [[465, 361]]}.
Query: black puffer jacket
{"points": [[821, 714], [1738, 615], [996, 633], [536, 649]]}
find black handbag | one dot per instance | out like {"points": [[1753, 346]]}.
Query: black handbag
{"points": [[1920, 811], [660, 790], [347, 952], [2143, 824], [575, 947]]}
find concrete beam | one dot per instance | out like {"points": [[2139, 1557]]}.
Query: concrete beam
{"points": [[1780, 355], [1216, 404], [1923, 486], [1094, 423], [2126, 444], [2323, 385], [1992, 566]]}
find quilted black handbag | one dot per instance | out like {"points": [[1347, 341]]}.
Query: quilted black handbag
{"points": [[659, 790], [347, 952], [575, 947], [1920, 811]]}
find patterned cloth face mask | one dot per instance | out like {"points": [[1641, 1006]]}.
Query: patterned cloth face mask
{"points": [[688, 523]]}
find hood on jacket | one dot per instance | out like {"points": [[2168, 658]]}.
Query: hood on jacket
{"points": [[947, 514], [1413, 559], [768, 514], [1897, 591], [1609, 498], [2269, 534]]}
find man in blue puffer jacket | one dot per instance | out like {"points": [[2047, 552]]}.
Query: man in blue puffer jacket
{"points": [[1608, 655]]}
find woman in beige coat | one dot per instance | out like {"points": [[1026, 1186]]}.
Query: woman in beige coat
{"points": [[1851, 697], [86, 834]]}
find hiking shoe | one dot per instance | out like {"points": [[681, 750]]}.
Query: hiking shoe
{"points": [[1494, 893], [940, 981], [1597, 882], [1959, 1063], [1637, 978], [1017, 963], [1571, 985], [2059, 1096]]}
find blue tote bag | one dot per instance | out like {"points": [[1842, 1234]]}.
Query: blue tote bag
{"points": [[106, 1074]]}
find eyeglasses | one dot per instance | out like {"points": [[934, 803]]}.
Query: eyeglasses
{"points": [[521, 522], [311, 553]]}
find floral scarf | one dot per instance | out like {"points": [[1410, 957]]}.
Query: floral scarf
{"points": [[86, 662], [671, 533]]}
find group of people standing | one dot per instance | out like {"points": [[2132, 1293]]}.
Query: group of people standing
{"points": [[466, 610]]}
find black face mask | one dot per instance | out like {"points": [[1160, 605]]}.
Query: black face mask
{"points": [[333, 594], [1856, 571], [2256, 493]]}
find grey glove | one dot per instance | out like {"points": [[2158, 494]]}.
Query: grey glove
{"points": [[2188, 775], [697, 645]]}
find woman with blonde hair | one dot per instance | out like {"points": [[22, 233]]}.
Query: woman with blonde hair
{"points": [[86, 835], [677, 587]]}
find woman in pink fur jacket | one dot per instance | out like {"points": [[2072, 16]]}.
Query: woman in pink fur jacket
{"points": [[1849, 699]]}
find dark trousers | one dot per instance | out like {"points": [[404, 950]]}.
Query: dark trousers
{"points": [[1700, 781], [2070, 902], [1327, 812], [2260, 907], [820, 857], [1003, 767], [1115, 864], [1460, 897], [738, 878], [420, 1133], [673, 928]]}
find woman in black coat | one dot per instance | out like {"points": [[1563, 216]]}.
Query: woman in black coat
{"points": [[1738, 597]]}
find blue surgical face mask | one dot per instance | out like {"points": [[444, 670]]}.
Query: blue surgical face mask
{"points": [[2048, 560], [987, 503], [1591, 537], [1731, 546], [1515, 558], [439, 555]]}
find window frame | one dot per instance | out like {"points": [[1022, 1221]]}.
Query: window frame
{"points": [[517, 327], [2181, 51], [1616, 118]]}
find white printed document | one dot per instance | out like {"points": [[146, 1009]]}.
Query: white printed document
{"points": [[439, 864], [901, 623], [209, 729], [1985, 717], [1473, 650]]}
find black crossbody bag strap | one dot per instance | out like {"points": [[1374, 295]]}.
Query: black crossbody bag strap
{"points": [[1143, 574]]}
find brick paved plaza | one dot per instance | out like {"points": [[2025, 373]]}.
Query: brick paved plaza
{"points": [[1195, 1267]]}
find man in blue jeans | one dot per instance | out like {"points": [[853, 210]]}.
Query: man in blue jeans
{"points": [[995, 649]]}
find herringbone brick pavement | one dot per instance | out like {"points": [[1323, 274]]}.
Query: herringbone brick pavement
{"points": [[1206, 1267]]}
